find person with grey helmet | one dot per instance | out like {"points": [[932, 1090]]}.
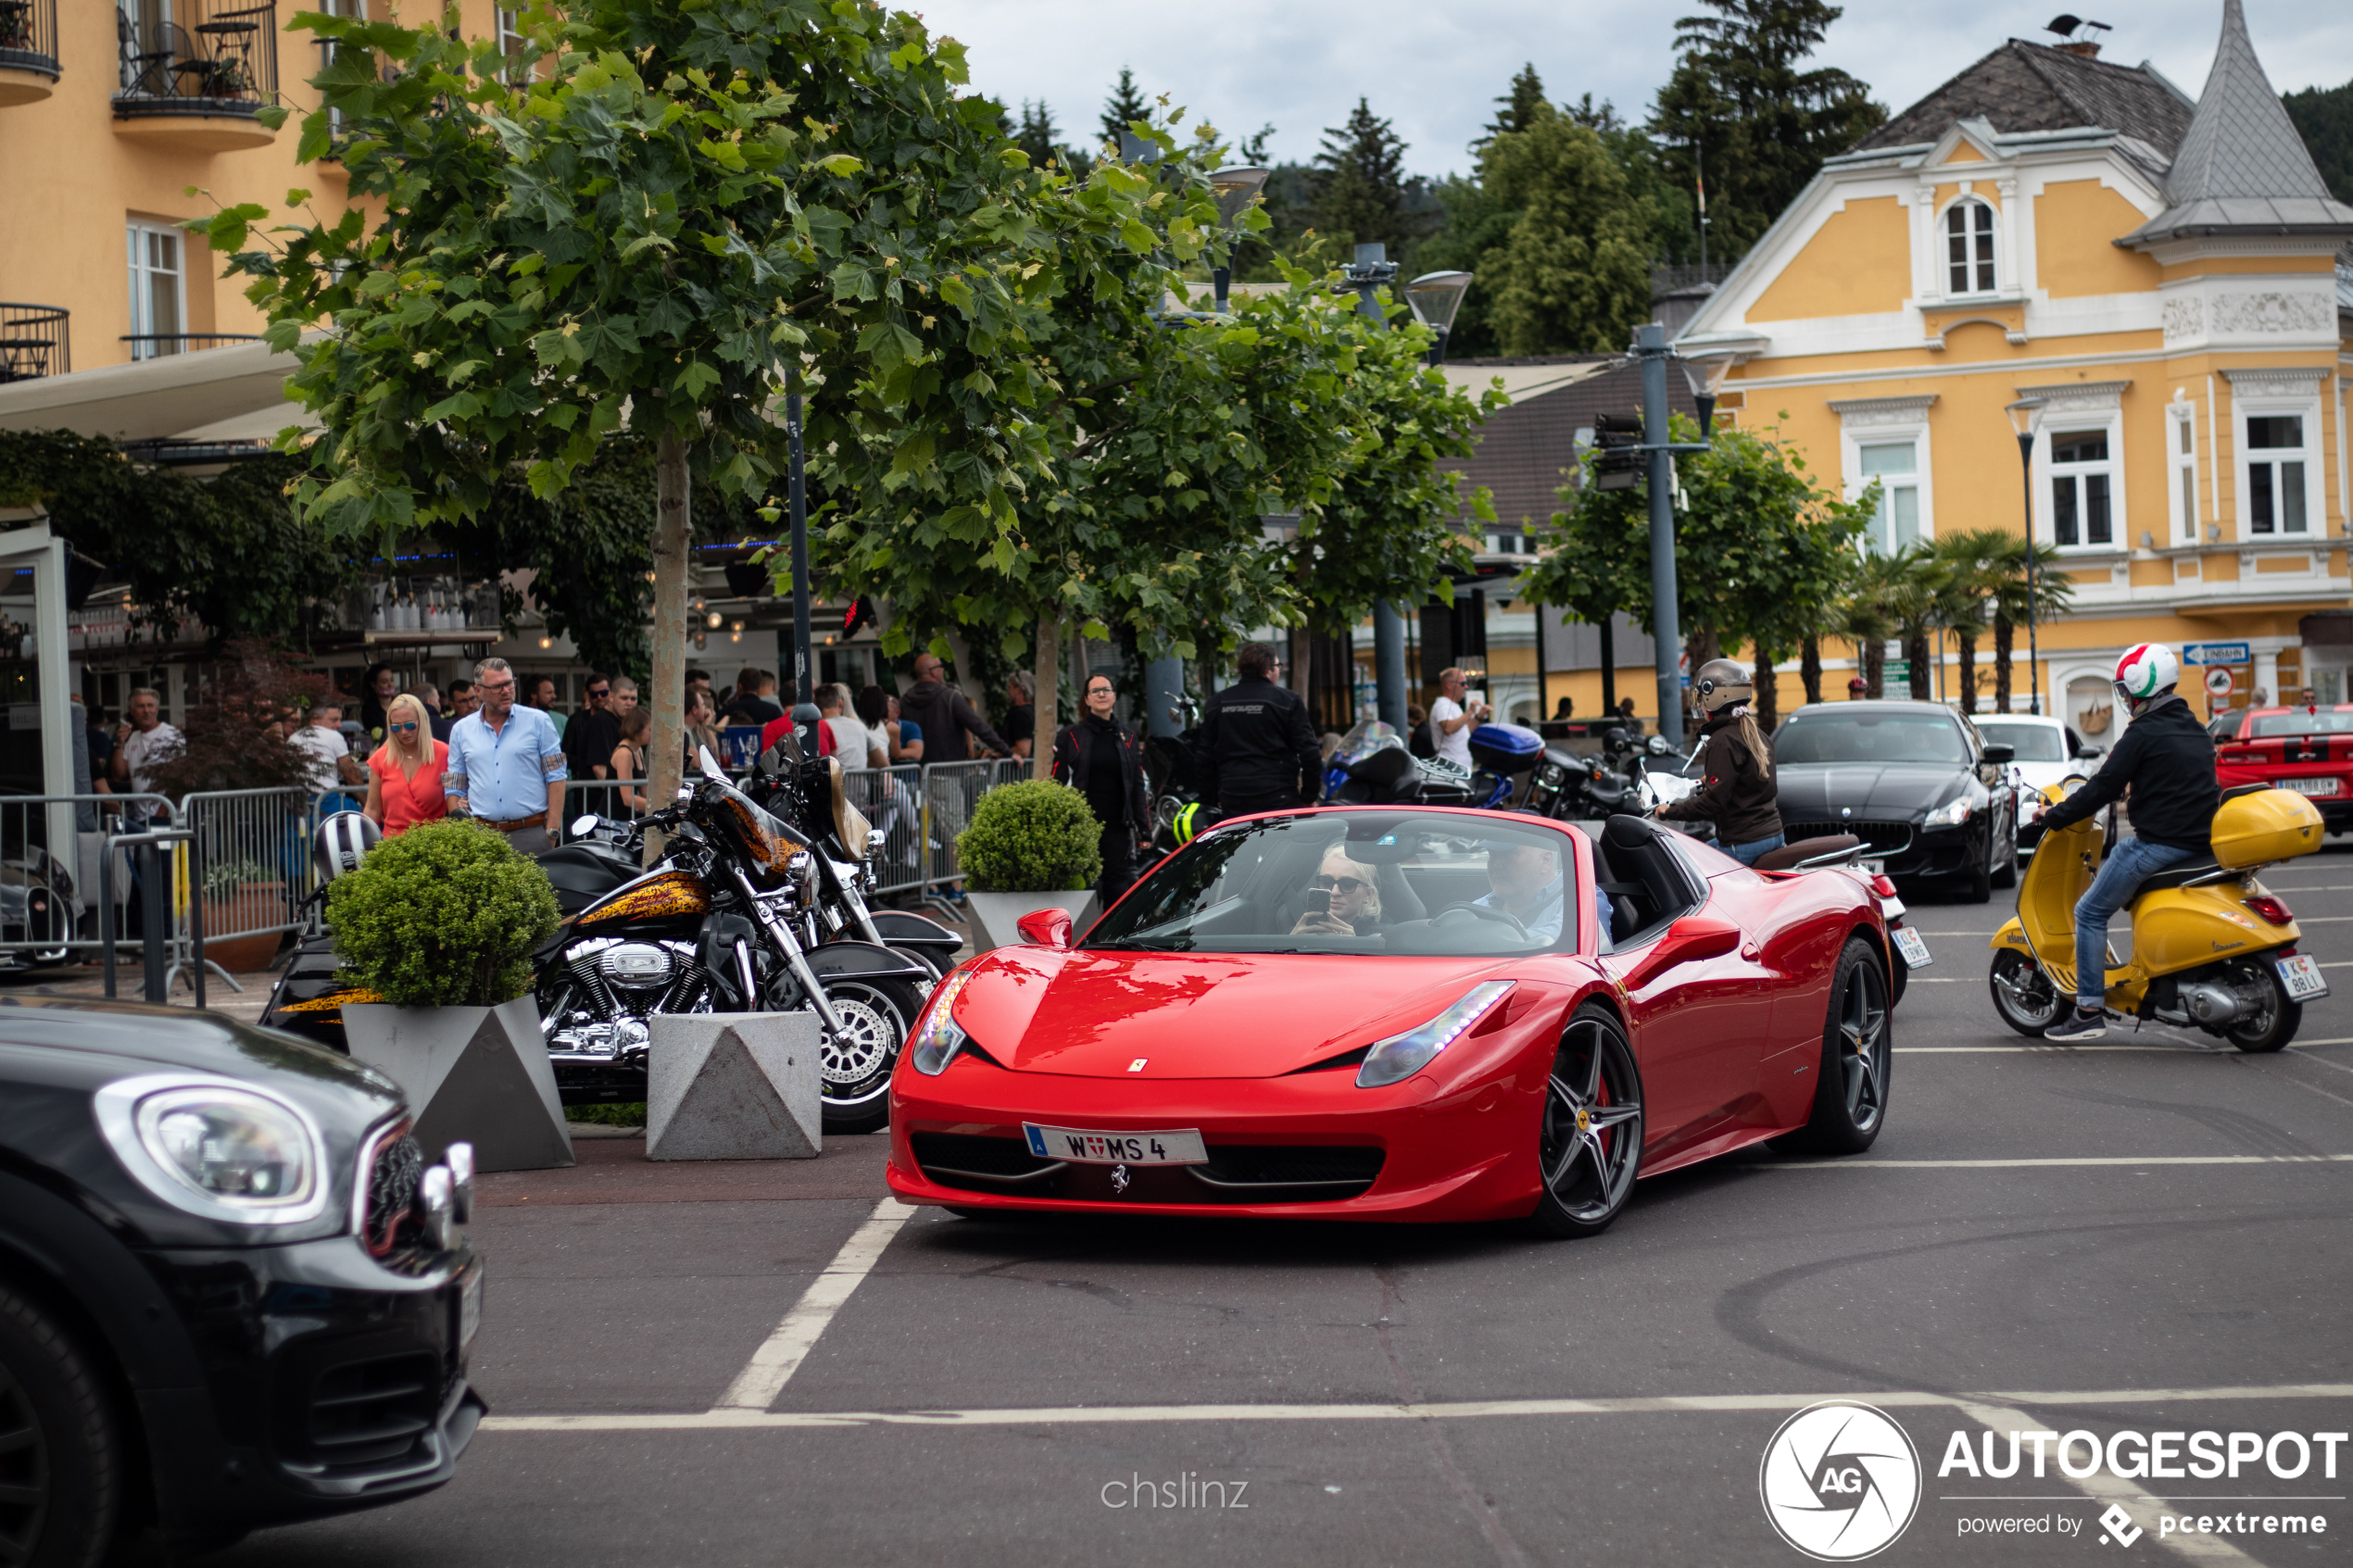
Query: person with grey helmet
{"points": [[1736, 761]]}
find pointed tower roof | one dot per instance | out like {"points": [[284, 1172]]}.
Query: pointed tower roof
{"points": [[2242, 168]]}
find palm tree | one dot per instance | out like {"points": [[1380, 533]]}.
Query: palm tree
{"points": [[2054, 596], [1973, 574], [1863, 615], [1916, 603]]}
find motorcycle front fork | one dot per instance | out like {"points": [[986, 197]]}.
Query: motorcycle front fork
{"points": [[787, 946]]}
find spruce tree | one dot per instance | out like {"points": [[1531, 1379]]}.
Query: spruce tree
{"points": [[1127, 103], [1360, 191], [1761, 125], [1518, 107], [1035, 133]]}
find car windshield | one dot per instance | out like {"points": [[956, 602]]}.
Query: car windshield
{"points": [[1883, 736], [2302, 723], [2032, 742], [1407, 882]]}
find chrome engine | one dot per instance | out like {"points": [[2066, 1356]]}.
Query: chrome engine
{"points": [[612, 988]]}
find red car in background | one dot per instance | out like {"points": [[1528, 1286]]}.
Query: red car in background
{"points": [[2309, 750]]}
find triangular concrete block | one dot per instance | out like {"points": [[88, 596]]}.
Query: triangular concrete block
{"points": [[478, 1075], [737, 1086]]}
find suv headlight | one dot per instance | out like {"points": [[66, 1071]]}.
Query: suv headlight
{"points": [[1955, 812], [217, 1148], [1401, 1056], [939, 1038]]}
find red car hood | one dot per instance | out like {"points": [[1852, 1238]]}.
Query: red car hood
{"points": [[1192, 1015]]}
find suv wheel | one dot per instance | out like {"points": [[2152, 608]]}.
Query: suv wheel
{"points": [[60, 1455]]}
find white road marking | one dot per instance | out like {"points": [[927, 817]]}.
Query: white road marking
{"points": [[2050, 1051], [2101, 1486], [2018, 1164], [1469, 1410], [773, 1363]]}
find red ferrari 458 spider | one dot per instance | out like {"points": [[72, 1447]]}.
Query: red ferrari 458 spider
{"points": [[1385, 1013]]}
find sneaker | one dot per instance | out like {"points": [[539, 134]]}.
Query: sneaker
{"points": [[2083, 1024]]}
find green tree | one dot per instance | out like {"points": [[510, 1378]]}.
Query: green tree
{"points": [[672, 215], [1974, 570], [1125, 105], [1573, 273], [2054, 595], [2323, 117], [1518, 108], [1740, 107], [1360, 190]]}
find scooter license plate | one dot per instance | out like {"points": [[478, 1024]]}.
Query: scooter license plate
{"points": [[1912, 946], [1872, 868], [2300, 976]]}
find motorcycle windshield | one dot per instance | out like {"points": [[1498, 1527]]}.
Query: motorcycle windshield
{"points": [[1365, 739], [766, 843]]}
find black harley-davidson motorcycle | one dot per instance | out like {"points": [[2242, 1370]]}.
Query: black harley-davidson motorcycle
{"points": [[730, 920]]}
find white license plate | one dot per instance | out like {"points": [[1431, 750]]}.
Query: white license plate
{"points": [[2302, 975], [1082, 1147], [1874, 868], [2311, 786], [1912, 946], [469, 1307]]}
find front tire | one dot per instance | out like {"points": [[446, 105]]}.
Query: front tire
{"points": [[1858, 1042], [855, 1068], [1589, 1145], [2023, 995], [2273, 1023], [61, 1457]]}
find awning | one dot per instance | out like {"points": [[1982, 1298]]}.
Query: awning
{"points": [[176, 394]]}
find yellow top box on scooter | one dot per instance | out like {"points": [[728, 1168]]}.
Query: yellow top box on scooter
{"points": [[2264, 825]]}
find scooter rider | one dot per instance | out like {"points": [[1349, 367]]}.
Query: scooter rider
{"points": [[1737, 761], [2167, 760]]}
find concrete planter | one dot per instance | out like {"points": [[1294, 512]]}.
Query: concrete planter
{"points": [[473, 1074], [994, 914], [735, 1086]]}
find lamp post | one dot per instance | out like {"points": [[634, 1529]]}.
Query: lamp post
{"points": [[2026, 418], [1435, 298], [1235, 189]]}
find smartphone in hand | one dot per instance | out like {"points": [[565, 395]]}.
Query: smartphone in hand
{"points": [[1320, 900]]}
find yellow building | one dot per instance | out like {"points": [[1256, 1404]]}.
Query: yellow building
{"points": [[2163, 282]]}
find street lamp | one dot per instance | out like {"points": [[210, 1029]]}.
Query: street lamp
{"points": [[1705, 378], [2026, 418], [1234, 188], [1435, 297]]}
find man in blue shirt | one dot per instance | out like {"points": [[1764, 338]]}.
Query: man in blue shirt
{"points": [[507, 764], [1530, 884]]}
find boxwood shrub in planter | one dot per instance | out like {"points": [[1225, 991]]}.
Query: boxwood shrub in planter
{"points": [[441, 922], [1030, 846]]}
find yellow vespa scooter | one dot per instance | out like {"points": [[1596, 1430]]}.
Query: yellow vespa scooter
{"points": [[2210, 947]]}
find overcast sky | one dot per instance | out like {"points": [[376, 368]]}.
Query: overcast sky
{"points": [[1435, 69]]}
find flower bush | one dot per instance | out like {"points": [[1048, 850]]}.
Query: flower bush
{"points": [[1036, 836], [445, 915]]}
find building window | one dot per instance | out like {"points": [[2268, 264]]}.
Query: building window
{"points": [[511, 43], [2185, 474], [1895, 464], [2275, 473], [2081, 479], [1969, 248], [156, 298]]}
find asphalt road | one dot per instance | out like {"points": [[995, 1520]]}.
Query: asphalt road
{"points": [[2155, 1240]]}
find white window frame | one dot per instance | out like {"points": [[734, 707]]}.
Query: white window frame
{"points": [[2182, 513], [139, 274], [1881, 539], [1944, 250], [1875, 421], [507, 27], [2111, 468], [2257, 406]]}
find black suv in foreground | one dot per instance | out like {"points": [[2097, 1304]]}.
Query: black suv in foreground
{"points": [[231, 1293]]}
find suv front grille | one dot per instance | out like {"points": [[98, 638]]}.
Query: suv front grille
{"points": [[395, 1166]]}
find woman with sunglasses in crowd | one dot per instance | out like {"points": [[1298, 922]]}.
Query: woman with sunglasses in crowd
{"points": [[404, 775]]}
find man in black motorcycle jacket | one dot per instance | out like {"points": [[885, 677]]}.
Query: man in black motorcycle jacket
{"points": [[1258, 750]]}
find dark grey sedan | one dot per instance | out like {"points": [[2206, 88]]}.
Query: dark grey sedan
{"points": [[1931, 800]]}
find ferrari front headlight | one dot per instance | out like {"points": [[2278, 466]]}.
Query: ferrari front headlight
{"points": [[939, 1038], [1401, 1056], [215, 1148]]}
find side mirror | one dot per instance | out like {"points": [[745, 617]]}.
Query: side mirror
{"points": [[1661, 746], [582, 826], [1692, 940], [1045, 928], [2085, 753], [1997, 752]]}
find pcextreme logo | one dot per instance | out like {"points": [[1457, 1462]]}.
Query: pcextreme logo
{"points": [[1840, 1481]]}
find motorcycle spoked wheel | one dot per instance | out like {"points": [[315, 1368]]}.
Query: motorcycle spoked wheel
{"points": [[2023, 993], [854, 1068]]}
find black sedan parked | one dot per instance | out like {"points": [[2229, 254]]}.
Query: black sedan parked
{"points": [[1931, 798], [231, 1294]]}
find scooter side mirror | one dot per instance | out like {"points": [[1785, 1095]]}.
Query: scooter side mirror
{"points": [[584, 825], [1045, 928], [1998, 752]]}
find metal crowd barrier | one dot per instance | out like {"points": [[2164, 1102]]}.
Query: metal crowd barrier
{"points": [[950, 791], [249, 853], [891, 799], [53, 854]]}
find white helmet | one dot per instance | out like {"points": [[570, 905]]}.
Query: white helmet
{"points": [[342, 841], [2146, 673]]}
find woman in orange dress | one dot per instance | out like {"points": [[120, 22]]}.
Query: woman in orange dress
{"points": [[404, 775]]}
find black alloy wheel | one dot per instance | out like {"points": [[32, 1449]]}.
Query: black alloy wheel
{"points": [[1858, 1041], [61, 1459], [855, 1065], [2023, 995], [1589, 1142], [2275, 1019]]}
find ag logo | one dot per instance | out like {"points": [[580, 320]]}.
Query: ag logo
{"points": [[1840, 1481]]}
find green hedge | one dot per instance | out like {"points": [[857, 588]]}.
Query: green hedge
{"points": [[447, 914], [1033, 837]]}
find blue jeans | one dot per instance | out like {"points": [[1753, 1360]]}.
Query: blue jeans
{"points": [[2132, 861], [1748, 854]]}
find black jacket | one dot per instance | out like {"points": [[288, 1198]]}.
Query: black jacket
{"points": [[1073, 755], [946, 716], [2168, 758], [1740, 790], [1257, 747]]}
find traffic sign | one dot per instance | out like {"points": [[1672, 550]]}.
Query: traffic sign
{"points": [[2217, 681], [2214, 653]]}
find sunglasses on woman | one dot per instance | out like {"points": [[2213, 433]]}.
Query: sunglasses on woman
{"points": [[408, 729], [1342, 885]]}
